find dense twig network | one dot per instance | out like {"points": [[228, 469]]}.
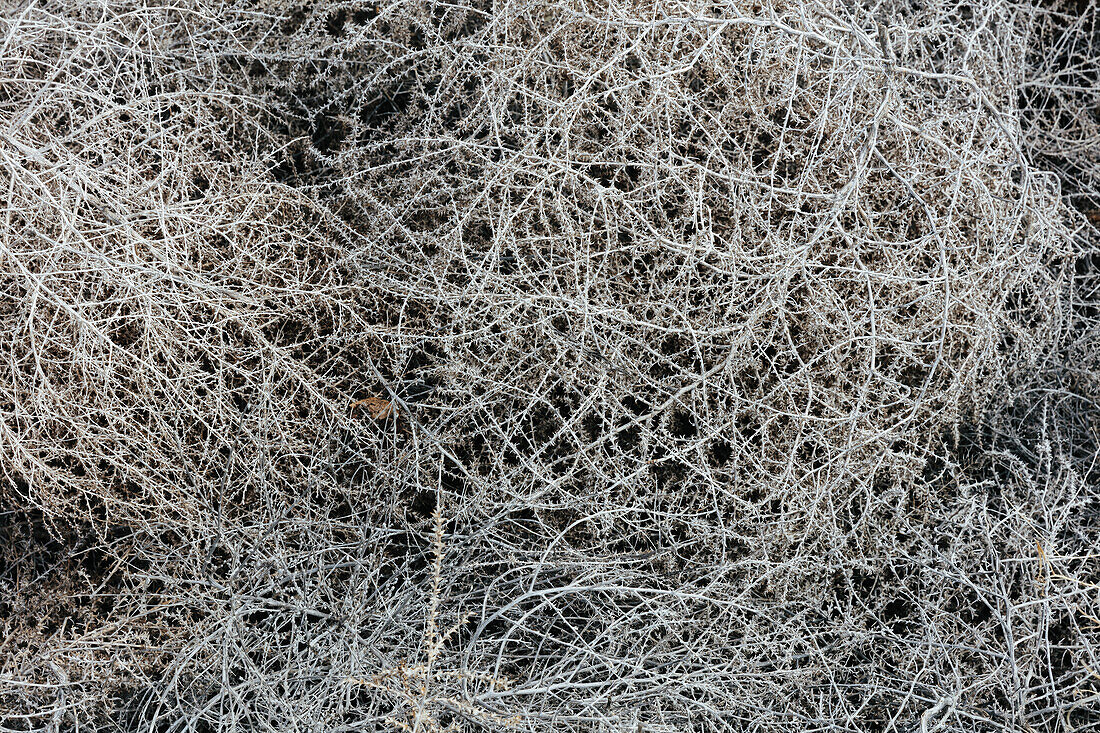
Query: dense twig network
{"points": [[438, 366]]}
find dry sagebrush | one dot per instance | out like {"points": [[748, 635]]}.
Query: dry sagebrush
{"points": [[162, 311], [691, 326]]}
